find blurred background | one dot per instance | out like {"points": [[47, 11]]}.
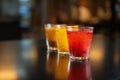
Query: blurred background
{"points": [[25, 18]]}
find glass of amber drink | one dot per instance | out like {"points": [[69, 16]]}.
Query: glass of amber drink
{"points": [[50, 37], [79, 39]]}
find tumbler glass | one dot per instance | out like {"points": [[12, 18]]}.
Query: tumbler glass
{"points": [[79, 39], [50, 37], [61, 39]]}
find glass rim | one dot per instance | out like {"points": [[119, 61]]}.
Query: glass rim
{"points": [[86, 27], [48, 25], [72, 26], [77, 28], [59, 25]]}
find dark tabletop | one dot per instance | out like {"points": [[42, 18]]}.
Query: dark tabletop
{"points": [[28, 59]]}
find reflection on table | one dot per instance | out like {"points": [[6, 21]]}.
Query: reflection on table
{"points": [[80, 70], [28, 59]]}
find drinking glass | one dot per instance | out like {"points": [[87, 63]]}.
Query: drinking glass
{"points": [[50, 37], [79, 39], [61, 39]]}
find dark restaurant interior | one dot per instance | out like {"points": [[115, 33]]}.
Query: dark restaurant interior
{"points": [[23, 48]]}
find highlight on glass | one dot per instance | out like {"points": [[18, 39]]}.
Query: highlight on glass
{"points": [[79, 39]]}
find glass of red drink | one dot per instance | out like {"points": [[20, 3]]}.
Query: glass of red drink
{"points": [[79, 40]]}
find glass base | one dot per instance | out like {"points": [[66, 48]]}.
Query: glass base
{"points": [[64, 53], [79, 58], [52, 48]]}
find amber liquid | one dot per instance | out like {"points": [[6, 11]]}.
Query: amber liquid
{"points": [[51, 37], [61, 37]]}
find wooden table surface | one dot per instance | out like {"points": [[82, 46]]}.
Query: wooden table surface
{"points": [[28, 59]]}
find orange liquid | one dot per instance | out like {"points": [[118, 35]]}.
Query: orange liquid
{"points": [[61, 37]]}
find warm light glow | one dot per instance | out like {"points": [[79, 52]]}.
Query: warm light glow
{"points": [[116, 58], [33, 54], [97, 52], [84, 14], [98, 49], [8, 75], [97, 55]]}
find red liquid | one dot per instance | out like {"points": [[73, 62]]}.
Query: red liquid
{"points": [[79, 42], [79, 71]]}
